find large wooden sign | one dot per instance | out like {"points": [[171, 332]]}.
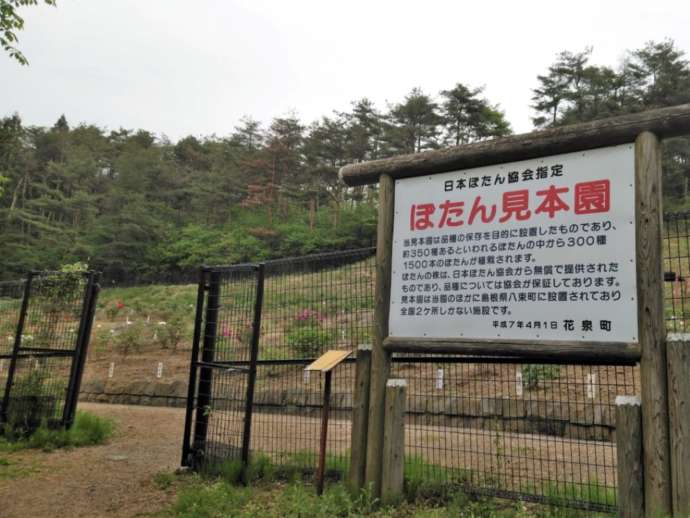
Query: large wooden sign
{"points": [[540, 249]]}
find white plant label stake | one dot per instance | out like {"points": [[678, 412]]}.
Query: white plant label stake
{"points": [[159, 370], [518, 382], [306, 376], [111, 369], [591, 384], [439, 379], [2, 365]]}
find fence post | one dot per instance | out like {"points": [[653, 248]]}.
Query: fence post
{"points": [[380, 358], [15, 349], [207, 356], [629, 456], [679, 417], [360, 417], [251, 375], [651, 325], [81, 348], [393, 469], [191, 387]]}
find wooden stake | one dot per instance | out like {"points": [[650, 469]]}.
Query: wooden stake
{"points": [[325, 411], [394, 442], [380, 358], [679, 418], [652, 331], [360, 419], [629, 453]]}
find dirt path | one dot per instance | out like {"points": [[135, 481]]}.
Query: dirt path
{"points": [[116, 479], [111, 480]]}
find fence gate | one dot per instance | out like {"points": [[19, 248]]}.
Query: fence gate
{"points": [[45, 324], [223, 366]]}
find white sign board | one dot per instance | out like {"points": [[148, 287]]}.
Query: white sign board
{"points": [[538, 249]]}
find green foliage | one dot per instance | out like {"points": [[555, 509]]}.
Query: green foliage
{"points": [[308, 336], [656, 75], [533, 374], [10, 470], [11, 23], [131, 337], [87, 430], [173, 331], [164, 480], [211, 501], [32, 402], [309, 342], [592, 491]]}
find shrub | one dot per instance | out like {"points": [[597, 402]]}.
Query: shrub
{"points": [[113, 309], [307, 335], [172, 332], [87, 430], [533, 374], [131, 337], [30, 405], [308, 342]]}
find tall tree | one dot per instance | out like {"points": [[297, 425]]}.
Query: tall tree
{"points": [[467, 117], [413, 125]]}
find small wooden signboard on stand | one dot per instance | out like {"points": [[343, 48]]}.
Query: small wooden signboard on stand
{"points": [[325, 364]]}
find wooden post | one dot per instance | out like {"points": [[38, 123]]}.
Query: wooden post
{"points": [[325, 411], [679, 418], [629, 453], [393, 469], [360, 419], [380, 358], [651, 326]]}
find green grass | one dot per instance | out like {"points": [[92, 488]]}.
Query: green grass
{"points": [[10, 470], [591, 491], [290, 467], [201, 498], [87, 430]]}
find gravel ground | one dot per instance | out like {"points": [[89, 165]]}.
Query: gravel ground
{"points": [[115, 479]]}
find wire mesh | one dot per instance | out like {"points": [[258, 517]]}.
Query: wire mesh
{"points": [[11, 295], [311, 304], [38, 393], [676, 259], [527, 431], [40, 379], [54, 312]]}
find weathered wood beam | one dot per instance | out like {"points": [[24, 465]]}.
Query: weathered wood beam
{"points": [[678, 355], [380, 358], [393, 469], [360, 419], [665, 122], [569, 351], [629, 456], [651, 326]]}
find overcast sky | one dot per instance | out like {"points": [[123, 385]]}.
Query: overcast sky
{"points": [[180, 67]]}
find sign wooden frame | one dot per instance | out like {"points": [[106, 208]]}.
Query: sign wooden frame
{"points": [[644, 129]]}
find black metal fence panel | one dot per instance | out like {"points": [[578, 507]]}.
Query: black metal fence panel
{"points": [[11, 295], [308, 305], [48, 326], [221, 351]]}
